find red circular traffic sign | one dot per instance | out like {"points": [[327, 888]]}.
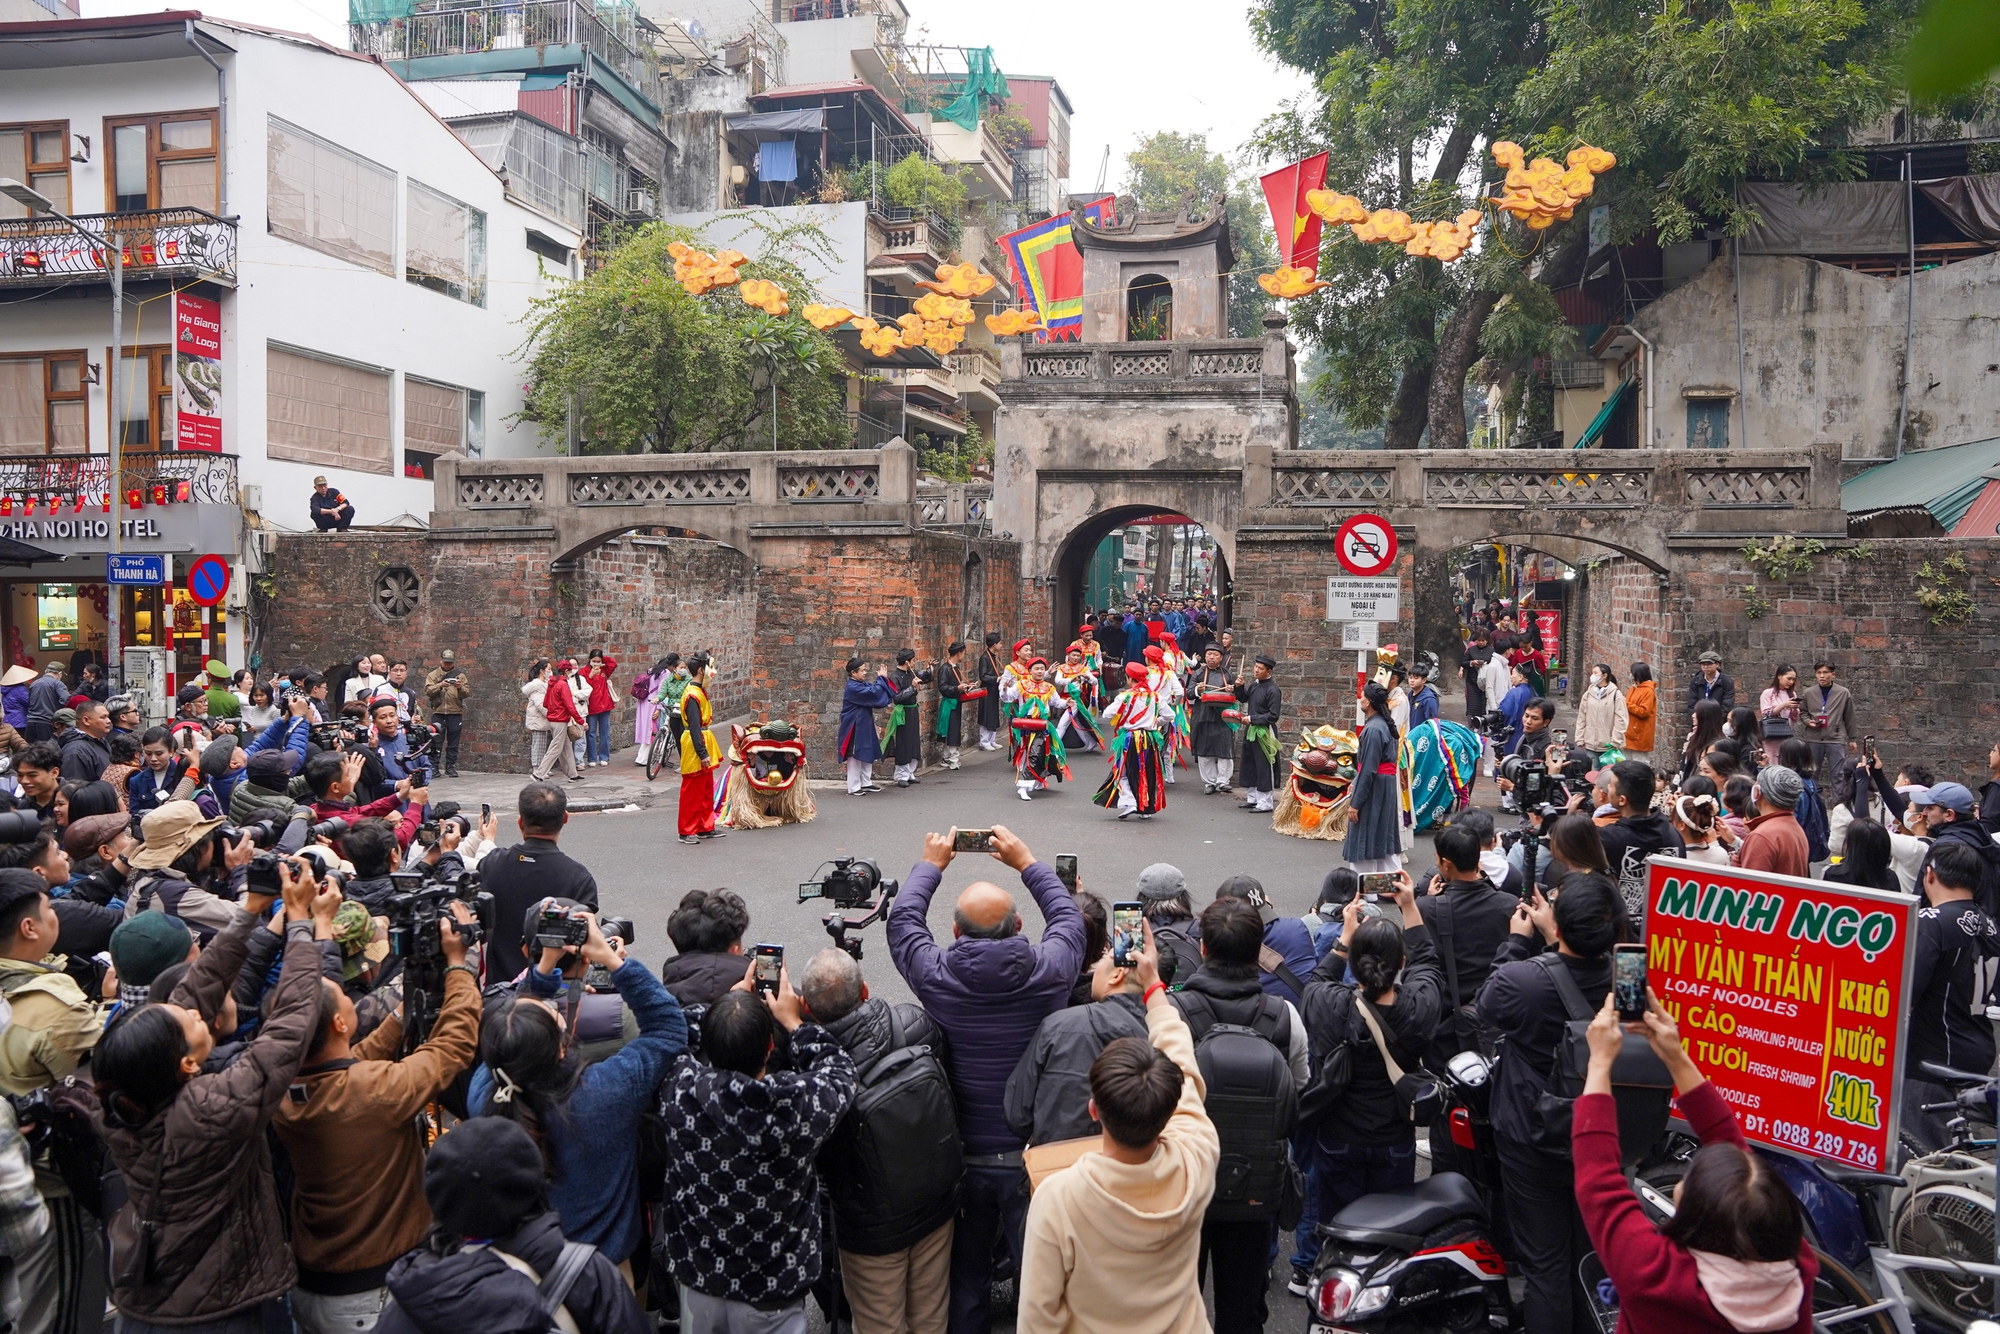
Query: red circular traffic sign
{"points": [[1366, 545], [208, 580]]}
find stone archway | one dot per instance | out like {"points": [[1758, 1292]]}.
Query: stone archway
{"points": [[1068, 569]]}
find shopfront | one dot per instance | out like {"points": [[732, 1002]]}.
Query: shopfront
{"points": [[62, 611]]}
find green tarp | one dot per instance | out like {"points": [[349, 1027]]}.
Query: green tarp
{"points": [[983, 80], [378, 11], [1603, 417]]}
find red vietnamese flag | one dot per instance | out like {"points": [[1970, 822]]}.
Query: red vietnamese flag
{"points": [[1297, 226]]}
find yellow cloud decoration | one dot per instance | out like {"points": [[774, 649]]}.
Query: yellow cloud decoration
{"points": [[1008, 323], [1289, 283], [1336, 208], [1385, 224], [825, 318], [765, 295], [1541, 193], [699, 272], [940, 309], [878, 341], [960, 280]]}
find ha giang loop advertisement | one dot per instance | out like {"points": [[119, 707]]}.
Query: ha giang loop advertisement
{"points": [[1792, 996]]}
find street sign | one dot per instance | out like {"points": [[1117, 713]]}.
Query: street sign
{"points": [[1362, 599], [135, 569], [1366, 545], [208, 580], [1792, 996], [1360, 634]]}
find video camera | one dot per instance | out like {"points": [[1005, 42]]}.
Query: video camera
{"points": [[1492, 723], [416, 936], [337, 734], [851, 882]]}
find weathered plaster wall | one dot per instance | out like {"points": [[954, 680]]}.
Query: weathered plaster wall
{"points": [[1823, 354]]}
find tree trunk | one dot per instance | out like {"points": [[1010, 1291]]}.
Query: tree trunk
{"points": [[1405, 427], [1457, 349]]}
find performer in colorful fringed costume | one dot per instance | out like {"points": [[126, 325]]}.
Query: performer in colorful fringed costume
{"points": [[1014, 679], [699, 756], [1136, 784], [1439, 760], [1077, 683], [766, 785], [1166, 683], [1313, 802], [1093, 652], [1038, 747]]}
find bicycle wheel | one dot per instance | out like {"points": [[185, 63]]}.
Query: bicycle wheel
{"points": [[1837, 1290], [656, 758]]}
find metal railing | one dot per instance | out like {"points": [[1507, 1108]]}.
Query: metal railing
{"points": [[610, 32], [64, 480], [164, 241]]}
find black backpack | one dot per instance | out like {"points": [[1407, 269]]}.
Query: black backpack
{"points": [[1253, 1105], [895, 1158], [1180, 958]]}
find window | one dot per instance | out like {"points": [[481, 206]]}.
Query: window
{"points": [[1149, 309], [1708, 423], [142, 411], [437, 419], [163, 162], [326, 411], [322, 196], [42, 405], [446, 251], [39, 155]]}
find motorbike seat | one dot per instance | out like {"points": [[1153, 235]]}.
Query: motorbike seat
{"points": [[1401, 1218]]}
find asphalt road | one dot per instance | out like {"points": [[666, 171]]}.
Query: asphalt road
{"points": [[642, 871]]}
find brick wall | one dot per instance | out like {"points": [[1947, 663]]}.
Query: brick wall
{"points": [[1278, 601], [1925, 691], [1624, 621]]}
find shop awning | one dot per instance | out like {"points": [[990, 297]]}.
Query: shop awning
{"points": [[1603, 417], [20, 553]]}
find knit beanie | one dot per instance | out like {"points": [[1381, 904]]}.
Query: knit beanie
{"points": [[215, 757], [1780, 786], [146, 945], [484, 1177]]}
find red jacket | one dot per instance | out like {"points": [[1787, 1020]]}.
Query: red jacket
{"points": [[1776, 843], [1659, 1291], [384, 809], [559, 702], [600, 687]]}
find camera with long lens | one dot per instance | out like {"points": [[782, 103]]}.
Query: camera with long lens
{"points": [[1533, 784], [19, 826], [848, 881], [261, 875], [597, 977], [336, 734], [1490, 724]]}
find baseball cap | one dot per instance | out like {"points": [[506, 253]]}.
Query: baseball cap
{"points": [[354, 928], [169, 830], [483, 1177], [1781, 786], [1954, 797], [1161, 880], [449, 656], [267, 768], [1251, 891], [146, 945]]}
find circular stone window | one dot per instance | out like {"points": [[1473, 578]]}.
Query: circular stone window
{"points": [[396, 592]]}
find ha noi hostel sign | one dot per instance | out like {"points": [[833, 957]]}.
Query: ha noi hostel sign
{"points": [[1791, 996]]}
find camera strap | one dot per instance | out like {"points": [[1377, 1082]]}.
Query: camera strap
{"points": [[572, 1006]]}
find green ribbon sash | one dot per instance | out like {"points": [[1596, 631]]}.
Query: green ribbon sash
{"points": [[946, 710], [1263, 739]]}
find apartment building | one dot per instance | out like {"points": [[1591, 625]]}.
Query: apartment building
{"points": [[319, 277]]}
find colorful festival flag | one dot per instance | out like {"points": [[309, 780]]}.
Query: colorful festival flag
{"points": [[1048, 275], [1297, 226]]}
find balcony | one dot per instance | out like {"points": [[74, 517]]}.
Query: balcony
{"points": [[989, 171], [508, 35], [67, 479], [900, 238], [170, 244], [976, 374]]}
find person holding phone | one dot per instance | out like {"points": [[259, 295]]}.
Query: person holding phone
{"points": [[1048, 1093], [990, 992]]}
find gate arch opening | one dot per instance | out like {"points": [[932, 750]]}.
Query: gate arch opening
{"points": [[1075, 583]]}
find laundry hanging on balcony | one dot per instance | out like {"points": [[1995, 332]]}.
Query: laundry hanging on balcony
{"points": [[778, 160]]}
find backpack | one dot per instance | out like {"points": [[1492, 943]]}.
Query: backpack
{"points": [[1179, 956], [551, 1291], [1557, 1101], [1812, 817], [1253, 1105], [895, 1157]]}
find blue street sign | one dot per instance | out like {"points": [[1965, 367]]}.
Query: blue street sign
{"points": [[135, 569]]}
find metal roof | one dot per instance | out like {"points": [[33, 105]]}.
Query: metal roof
{"points": [[1944, 481]]}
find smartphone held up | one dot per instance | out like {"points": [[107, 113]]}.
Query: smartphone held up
{"points": [[1128, 933], [1628, 981], [769, 961]]}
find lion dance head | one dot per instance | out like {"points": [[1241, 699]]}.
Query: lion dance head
{"points": [[765, 769]]}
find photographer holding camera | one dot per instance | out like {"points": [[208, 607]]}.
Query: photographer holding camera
{"points": [[585, 1119], [332, 778], [528, 872], [989, 992], [358, 1201], [182, 871]]}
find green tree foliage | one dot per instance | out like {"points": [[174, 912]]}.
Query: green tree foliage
{"points": [[1409, 95], [650, 369], [1167, 167]]}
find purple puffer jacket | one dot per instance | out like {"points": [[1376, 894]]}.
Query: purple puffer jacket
{"points": [[989, 996]]}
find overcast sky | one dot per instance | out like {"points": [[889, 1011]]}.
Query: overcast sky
{"points": [[1129, 66]]}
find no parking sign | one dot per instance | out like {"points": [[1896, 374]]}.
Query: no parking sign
{"points": [[208, 580]]}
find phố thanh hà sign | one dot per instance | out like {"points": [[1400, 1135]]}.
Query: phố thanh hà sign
{"points": [[1352, 599], [1791, 996]]}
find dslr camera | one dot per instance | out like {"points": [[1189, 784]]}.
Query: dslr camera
{"points": [[848, 881], [557, 928], [1533, 784], [1492, 723], [337, 734]]}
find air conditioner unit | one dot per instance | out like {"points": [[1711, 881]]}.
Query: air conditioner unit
{"points": [[642, 201]]}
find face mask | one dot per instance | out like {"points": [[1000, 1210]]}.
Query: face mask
{"points": [[1729, 729]]}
